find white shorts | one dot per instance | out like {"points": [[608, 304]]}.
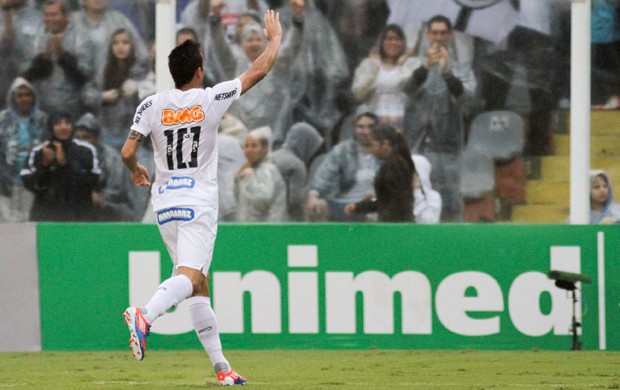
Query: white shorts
{"points": [[189, 234]]}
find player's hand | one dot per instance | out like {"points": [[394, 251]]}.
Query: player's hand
{"points": [[140, 177], [272, 29]]}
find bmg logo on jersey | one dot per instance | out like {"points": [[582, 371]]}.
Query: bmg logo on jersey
{"points": [[183, 115], [174, 214]]}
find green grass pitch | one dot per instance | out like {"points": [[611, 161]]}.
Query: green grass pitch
{"points": [[316, 369]]}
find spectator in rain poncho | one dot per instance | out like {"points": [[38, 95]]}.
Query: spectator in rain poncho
{"points": [[528, 48], [603, 210], [269, 102], [230, 14], [99, 22], [63, 60], [345, 174], [119, 88], [230, 159], [293, 160], [115, 197], [320, 73], [18, 23], [22, 125], [232, 126], [427, 201], [259, 188], [433, 124]]}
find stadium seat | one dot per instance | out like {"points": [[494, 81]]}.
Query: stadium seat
{"points": [[477, 187], [501, 136], [498, 134]]}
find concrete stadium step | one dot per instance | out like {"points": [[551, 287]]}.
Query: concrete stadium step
{"points": [[600, 145], [601, 122], [548, 196], [546, 191], [558, 167], [540, 214]]}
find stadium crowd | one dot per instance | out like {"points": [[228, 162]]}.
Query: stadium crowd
{"points": [[317, 134]]}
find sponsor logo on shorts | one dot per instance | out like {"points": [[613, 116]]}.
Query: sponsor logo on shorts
{"points": [[174, 214], [176, 183]]}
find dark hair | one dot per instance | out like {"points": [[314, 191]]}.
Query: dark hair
{"points": [[385, 132], [187, 30], [116, 71], [602, 176], [367, 114], [63, 6], [183, 62], [440, 19], [56, 117], [396, 29]]}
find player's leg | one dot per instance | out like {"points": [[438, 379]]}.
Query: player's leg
{"points": [[196, 242], [206, 327], [168, 294], [180, 285]]}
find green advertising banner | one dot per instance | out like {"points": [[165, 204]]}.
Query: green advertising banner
{"points": [[341, 286]]}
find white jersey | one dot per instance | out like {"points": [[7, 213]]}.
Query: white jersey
{"points": [[183, 128]]}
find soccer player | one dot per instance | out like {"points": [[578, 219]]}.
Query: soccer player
{"points": [[183, 125]]}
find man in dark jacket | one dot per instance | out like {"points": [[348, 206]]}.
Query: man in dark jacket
{"points": [[62, 173]]}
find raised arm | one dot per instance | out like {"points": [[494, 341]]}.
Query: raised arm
{"points": [[263, 64], [221, 56]]}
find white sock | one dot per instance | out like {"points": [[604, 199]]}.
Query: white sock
{"points": [[168, 294], [205, 325]]}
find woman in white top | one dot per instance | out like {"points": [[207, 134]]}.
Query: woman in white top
{"points": [[379, 78]]}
